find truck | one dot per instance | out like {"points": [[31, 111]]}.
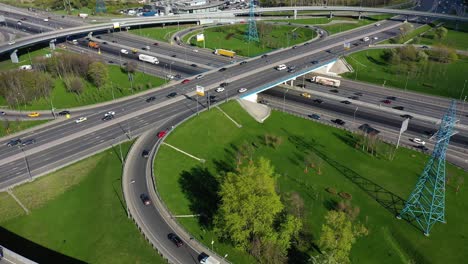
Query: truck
{"points": [[325, 81], [150, 13], [148, 58], [93, 45], [205, 259], [227, 53]]}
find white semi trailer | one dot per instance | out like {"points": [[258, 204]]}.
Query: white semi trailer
{"points": [[148, 58], [326, 81]]}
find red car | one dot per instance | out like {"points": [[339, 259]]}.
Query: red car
{"points": [[387, 101], [161, 134], [185, 81]]}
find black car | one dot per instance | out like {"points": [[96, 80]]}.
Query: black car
{"points": [[407, 116], [345, 102], [291, 70], [114, 41], [398, 107], [222, 69], [242, 63], [314, 116], [28, 142], [318, 101], [108, 117], [224, 84], [358, 93], [265, 102], [314, 62], [64, 112], [178, 76], [171, 95], [354, 97], [145, 199], [301, 85], [145, 154], [14, 142], [193, 65], [175, 239], [307, 43], [294, 47], [393, 98], [150, 99], [264, 56], [173, 56], [212, 98], [99, 37], [339, 122], [2, 113], [334, 91], [104, 42]]}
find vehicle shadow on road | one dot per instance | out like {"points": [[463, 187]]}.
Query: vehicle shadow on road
{"points": [[201, 189], [33, 251]]}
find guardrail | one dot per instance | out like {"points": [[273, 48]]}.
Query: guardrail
{"points": [[12, 257]]}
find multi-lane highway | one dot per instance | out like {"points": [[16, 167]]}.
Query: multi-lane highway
{"points": [[68, 137]]}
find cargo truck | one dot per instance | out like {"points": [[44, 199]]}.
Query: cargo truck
{"points": [[93, 44], [223, 52], [326, 81], [148, 58]]}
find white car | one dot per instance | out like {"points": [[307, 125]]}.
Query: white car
{"points": [[11, 42], [109, 113], [124, 51], [81, 119], [281, 67], [199, 77], [219, 89], [377, 25], [242, 90], [419, 141], [376, 38], [195, 50], [170, 77], [46, 19]]}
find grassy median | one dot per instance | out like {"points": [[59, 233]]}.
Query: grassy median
{"points": [[79, 211], [378, 186]]}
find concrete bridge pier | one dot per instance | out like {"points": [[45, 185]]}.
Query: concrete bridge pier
{"points": [[52, 44], [360, 15], [295, 14], [14, 56]]}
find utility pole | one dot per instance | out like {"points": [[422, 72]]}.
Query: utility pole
{"points": [[284, 99]]}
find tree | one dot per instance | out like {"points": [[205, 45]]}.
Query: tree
{"points": [[295, 204], [98, 74], [339, 235], [249, 204], [440, 33], [131, 67]]}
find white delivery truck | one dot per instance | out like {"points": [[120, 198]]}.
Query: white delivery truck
{"points": [[326, 81], [148, 58]]}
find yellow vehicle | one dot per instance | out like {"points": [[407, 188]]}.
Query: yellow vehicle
{"points": [[134, 50], [306, 95], [223, 52], [34, 114]]}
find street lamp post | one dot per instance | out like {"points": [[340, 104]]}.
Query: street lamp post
{"points": [[354, 115], [27, 163], [284, 99], [463, 90], [407, 77]]}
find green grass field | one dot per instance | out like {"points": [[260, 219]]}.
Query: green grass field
{"points": [[182, 182], [325, 20], [10, 127], [341, 27], [232, 37], [79, 212], [437, 79], [159, 33], [454, 39], [117, 86]]}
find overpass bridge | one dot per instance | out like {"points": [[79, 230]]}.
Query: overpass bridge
{"points": [[198, 18]]}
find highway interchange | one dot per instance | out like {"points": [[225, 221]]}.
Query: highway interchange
{"points": [[60, 144]]}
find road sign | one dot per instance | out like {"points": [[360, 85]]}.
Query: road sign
{"points": [[200, 90], [200, 37], [404, 126]]}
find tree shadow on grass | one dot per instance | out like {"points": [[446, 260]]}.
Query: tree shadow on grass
{"points": [[201, 189], [33, 251], [348, 139], [388, 200]]}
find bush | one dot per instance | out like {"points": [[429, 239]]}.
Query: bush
{"points": [[74, 84], [345, 195], [331, 190]]}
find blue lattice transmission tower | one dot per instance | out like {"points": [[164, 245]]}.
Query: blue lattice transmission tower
{"points": [[426, 204], [252, 34], [100, 6]]}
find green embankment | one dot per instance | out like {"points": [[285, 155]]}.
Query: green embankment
{"points": [[378, 186]]}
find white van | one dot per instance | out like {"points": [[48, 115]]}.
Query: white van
{"points": [[365, 39], [281, 67], [124, 51]]}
